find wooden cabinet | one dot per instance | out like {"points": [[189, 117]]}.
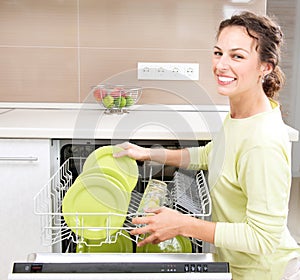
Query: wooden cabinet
{"points": [[24, 169]]}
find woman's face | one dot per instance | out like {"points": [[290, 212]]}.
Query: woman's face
{"points": [[236, 65]]}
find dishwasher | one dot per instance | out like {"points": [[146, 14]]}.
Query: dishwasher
{"points": [[187, 192]]}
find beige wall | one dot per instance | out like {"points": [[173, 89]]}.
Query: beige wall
{"points": [[55, 50]]}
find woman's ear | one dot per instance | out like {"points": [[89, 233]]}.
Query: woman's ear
{"points": [[266, 68]]}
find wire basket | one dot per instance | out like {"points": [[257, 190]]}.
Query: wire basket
{"points": [[116, 98], [187, 194]]}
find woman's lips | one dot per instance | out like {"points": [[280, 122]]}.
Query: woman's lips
{"points": [[225, 80]]}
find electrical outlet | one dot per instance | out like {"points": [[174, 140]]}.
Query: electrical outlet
{"points": [[168, 71]]}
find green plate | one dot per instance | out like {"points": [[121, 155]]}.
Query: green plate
{"points": [[92, 204], [122, 244], [103, 157], [178, 244], [110, 174]]}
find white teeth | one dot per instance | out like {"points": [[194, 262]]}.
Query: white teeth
{"points": [[226, 79]]}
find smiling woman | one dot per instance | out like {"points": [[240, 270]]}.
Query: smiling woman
{"points": [[249, 161], [269, 54], [239, 72]]}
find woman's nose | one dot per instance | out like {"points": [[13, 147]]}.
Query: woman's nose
{"points": [[223, 63]]}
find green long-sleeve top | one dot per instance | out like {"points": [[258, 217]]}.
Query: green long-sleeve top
{"points": [[249, 175]]}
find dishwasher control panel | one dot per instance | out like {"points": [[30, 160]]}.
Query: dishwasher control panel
{"points": [[127, 267]]}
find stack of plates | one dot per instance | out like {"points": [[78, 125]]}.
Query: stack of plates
{"points": [[103, 159], [95, 206]]}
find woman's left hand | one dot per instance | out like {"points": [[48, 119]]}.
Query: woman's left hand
{"points": [[160, 225]]}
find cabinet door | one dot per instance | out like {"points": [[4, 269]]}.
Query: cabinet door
{"points": [[24, 169]]}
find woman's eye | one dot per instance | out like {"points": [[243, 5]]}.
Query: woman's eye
{"points": [[217, 53], [237, 56]]}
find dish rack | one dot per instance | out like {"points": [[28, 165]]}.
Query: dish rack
{"points": [[187, 193]]}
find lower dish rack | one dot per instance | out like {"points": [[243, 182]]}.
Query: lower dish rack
{"points": [[187, 193]]}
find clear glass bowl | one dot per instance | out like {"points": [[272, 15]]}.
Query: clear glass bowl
{"points": [[116, 98]]}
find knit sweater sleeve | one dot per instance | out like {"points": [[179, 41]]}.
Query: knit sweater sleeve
{"points": [[264, 176], [199, 157]]}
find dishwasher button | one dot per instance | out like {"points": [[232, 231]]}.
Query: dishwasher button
{"points": [[36, 268], [27, 268], [193, 267], [199, 268], [186, 268]]}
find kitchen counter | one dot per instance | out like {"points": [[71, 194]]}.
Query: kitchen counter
{"points": [[89, 122]]}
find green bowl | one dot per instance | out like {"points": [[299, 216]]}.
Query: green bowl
{"points": [[178, 244]]}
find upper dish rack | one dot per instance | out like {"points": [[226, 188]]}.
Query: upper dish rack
{"points": [[187, 194]]}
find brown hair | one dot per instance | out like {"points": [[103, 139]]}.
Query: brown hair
{"points": [[269, 40]]}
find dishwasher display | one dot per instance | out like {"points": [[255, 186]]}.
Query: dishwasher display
{"points": [[121, 266]]}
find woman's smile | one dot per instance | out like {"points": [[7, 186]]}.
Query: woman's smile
{"points": [[225, 80]]}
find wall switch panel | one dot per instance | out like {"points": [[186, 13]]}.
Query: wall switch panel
{"points": [[168, 71]]}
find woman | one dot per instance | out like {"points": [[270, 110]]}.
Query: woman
{"points": [[250, 188]]}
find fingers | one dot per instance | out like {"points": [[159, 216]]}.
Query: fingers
{"points": [[140, 230], [147, 221], [144, 231], [153, 228], [121, 154], [146, 234], [125, 146], [150, 239], [133, 151]]}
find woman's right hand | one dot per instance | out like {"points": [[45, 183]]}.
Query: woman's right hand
{"points": [[133, 151], [179, 157]]}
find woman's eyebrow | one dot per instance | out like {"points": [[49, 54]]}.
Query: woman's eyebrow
{"points": [[233, 50], [239, 49]]}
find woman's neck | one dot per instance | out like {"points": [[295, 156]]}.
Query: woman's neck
{"points": [[244, 108]]}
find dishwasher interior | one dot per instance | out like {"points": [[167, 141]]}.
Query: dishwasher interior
{"points": [[187, 193]]}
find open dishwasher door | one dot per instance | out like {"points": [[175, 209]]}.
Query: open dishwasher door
{"points": [[121, 266], [187, 193]]}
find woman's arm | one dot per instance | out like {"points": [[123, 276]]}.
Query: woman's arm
{"points": [[166, 223], [178, 158]]}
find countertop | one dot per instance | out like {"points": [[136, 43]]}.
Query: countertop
{"points": [[89, 122]]}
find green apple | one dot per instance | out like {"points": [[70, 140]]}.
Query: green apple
{"points": [[108, 101], [120, 102], [129, 101]]}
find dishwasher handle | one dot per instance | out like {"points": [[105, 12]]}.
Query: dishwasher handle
{"points": [[13, 159]]}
